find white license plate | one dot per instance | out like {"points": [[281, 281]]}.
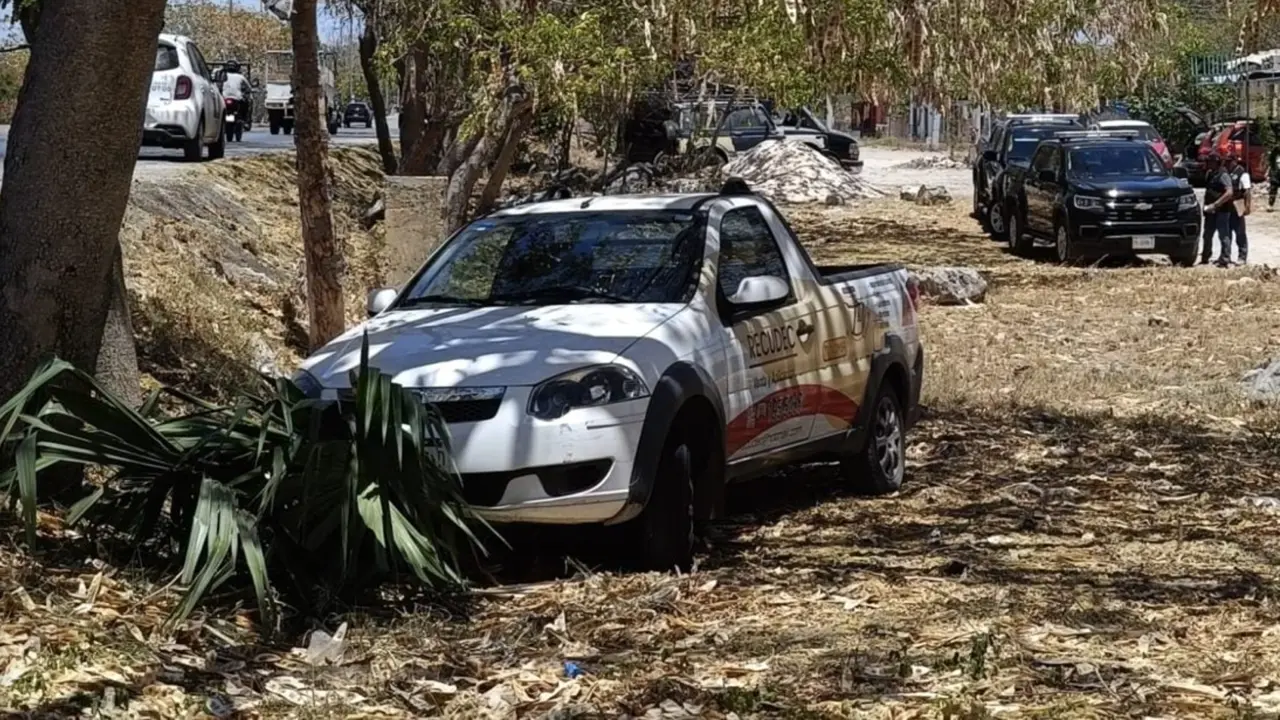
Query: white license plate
{"points": [[1144, 242]]}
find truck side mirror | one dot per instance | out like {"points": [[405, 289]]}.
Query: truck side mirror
{"points": [[380, 300], [759, 290]]}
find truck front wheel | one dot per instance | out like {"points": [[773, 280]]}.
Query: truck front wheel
{"points": [[661, 538], [881, 466]]}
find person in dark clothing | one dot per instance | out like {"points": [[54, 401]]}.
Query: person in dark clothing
{"points": [[1241, 206], [1217, 196]]}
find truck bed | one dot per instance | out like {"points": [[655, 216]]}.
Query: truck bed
{"points": [[832, 274]]}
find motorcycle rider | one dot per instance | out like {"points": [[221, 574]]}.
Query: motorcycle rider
{"points": [[236, 87]]}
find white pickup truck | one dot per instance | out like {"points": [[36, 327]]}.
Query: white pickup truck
{"points": [[619, 360]]}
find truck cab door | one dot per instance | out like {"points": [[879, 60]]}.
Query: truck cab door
{"points": [[747, 128], [771, 350]]}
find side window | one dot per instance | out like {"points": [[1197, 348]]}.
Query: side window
{"points": [[747, 249], [198, 61], [743, 119], [1055, 161], [1040, 161]]}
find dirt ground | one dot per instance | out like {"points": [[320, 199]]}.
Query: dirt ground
{"points": [[1089, 529]]}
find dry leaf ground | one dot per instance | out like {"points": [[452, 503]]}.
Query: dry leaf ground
{"points": [[1089, 529]]}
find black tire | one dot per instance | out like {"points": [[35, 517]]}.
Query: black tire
{"points": [[996, 221], [275, 128], [287, 127], [347, 124], [218, 149], [661, 538], [231, 133], [239, 133], [1187, 259], [1016, 234], [1064, 245], [193, 150], [368, 125], [881, 466], [333, 129]]}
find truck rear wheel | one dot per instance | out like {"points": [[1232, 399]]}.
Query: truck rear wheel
{"points": [[661, 538], [275, 128], [881, 466], [287, 126]]}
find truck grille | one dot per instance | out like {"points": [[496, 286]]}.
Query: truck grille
{"points": [[1126, 210], [453, 411]]}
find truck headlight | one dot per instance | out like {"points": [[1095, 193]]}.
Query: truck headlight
{"points": [[1188, 201], [588, 387], [1084, 202]]}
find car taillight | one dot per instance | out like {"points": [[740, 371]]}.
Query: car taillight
{"points": [[182, 90], [228, 102]]}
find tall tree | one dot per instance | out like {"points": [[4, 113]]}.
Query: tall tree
{"points": [[323, 259], [59, 231]]}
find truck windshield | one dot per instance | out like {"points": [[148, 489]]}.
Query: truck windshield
{"points": [[1114, 161], [550, 259]]}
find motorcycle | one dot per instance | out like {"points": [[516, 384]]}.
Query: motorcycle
{"points": [[235, 125]]}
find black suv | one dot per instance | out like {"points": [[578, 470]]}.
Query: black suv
{"points": [[1010, 141], [357, 112], [1102, 193]]}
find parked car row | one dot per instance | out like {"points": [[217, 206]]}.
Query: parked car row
{"points": [[1110, 189]]}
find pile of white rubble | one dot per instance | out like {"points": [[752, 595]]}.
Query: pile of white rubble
{"points": [[932, 162], [789, 172]]}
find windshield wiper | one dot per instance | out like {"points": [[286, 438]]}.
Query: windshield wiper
{"points": [[439, 299], [560, 292]]}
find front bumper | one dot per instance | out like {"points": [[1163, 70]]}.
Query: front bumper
{"points": [[573, 470], [1095, 236]]}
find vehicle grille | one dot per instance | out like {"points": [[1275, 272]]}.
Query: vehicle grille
{"points": [[455, 411], [1125, 210]]}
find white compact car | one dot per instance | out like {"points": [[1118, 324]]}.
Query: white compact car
{"points": [[617, 360], [185, 107]]}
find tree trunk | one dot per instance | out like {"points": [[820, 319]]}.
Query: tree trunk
{"points": [[323, 261], [368, 48], [457, 153], [463, 180], [60, 230], [117, 365], [498, 175]]}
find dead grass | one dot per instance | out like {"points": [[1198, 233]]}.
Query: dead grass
{"points": [[1088, 530]]}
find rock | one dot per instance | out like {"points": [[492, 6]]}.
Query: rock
{"points": [[375, 214], [909, 193], [789, 172], [951, 285], [1157, 321], [937, 195], [834, 199], [1263, 382]]}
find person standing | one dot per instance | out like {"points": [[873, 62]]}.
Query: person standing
{"points": [[1218, 191], [1241, 207]]}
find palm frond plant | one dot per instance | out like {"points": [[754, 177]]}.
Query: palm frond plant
{"points": [[304, 497]]}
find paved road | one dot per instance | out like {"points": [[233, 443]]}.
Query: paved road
{"points": [[155, 162]]}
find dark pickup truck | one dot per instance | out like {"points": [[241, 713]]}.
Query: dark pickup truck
{"points": [[1092, 194], [1010, 142]]}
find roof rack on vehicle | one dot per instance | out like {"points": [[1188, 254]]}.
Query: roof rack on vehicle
{"points": [[1047, 116], [1077, 134], [735, 186]]}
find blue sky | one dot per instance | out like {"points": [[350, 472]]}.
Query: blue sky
{"points": [[331, 28]]}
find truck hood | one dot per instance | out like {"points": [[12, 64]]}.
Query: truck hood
{"points": [[487, 347], [1154, 187]]}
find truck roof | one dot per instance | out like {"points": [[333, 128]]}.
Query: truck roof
{"points": [[172, 39], [608, 203]]}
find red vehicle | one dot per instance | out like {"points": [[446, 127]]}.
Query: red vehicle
{"points": [[1239, 136], [1145, 132]]}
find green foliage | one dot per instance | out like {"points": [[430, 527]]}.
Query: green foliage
{"points": [[1159, 105], [307, 498]]}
